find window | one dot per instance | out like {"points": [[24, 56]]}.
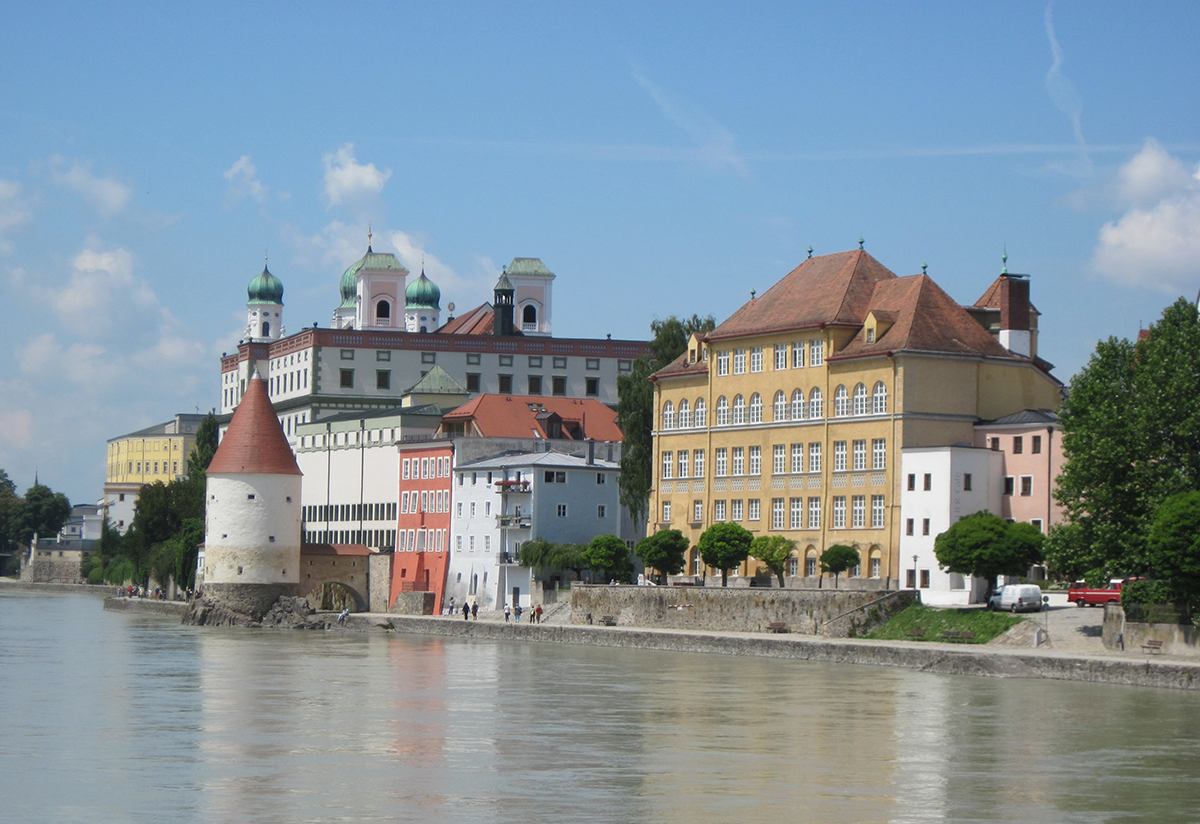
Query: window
{"points": [[862, 401], [924, 579], [383, 379], [347, 378], [592, 364], [839, 511], [1018, 445], [473, 359], [735, 510], [505, 384], [601, 479], [560, 363], [797, 513], [697, 511], [777, 513], [756, 359], [797, 457], [535, 362], [683, 463], [810, 564], [798, 405], [860, 455], [722, 462], [879, 453], [668, 415], [814, 457], [592, 387], [798, 355], [908, 527], [1009, 485], [429, 357], [562, 510], [535, 384], [739, 410], [685, 415], [779, 459], [876, 563], [928, 482], [722, 411], [780, 406], [880, 406], [912, 482], [816, 353], [600, 511], [347, 354], [966, 481], [781, 357], [666, 511], [871, 335], [858, 511], [698, 461], [841, 402], [718, 510], [924, 526], [559, 385], [753, 509], [876, 514], [816, 408], [739, 460], [472, 381], [552, 477], [1036, 522], [506, 360], [755, 460], [739, 362], [701, 413], [839, 456], [624, 366], [1026, 485], [814, 513], [383, 355], [756, 407], [722, 363], [793, 566], [1035, 445], [668, 463]]}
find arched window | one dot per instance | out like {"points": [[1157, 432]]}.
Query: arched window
{"points": [[841, 402], [781, 406], [880, 398], [798, 405], [756, 408], [739, 410], [685, 415], [383, 311], [816, 404], [876, 563], [862, 403], [793, 566], [722, 411], [701, 413], [266, 329], [529, 315], [668, 415], [810, 562]]}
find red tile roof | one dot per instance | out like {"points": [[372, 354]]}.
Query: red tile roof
{"points": [[254, 443], [478, 321], [990, 299], [516, 416]]}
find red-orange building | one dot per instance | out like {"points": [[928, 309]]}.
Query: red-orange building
{"points": [[423, 527]]}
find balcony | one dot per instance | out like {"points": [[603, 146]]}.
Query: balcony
{"points": [[513, 521], [513, 486]]}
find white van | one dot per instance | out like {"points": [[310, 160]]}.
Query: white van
{"points": [[1020, 598]]}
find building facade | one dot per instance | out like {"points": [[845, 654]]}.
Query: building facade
{"points": [[156, 453]]}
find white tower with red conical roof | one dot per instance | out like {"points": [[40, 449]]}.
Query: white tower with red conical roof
{"points": [[252, 521]]}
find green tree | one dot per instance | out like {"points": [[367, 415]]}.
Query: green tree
{"points": [[540, 554], [152, 542], [608, 554], [205, 447], [635, 406], [839, 558], [1173, 545], [723, 546], [43, 512], [773, 551], [665, 551], [9, 503], [1067, 552], [985, 545]]}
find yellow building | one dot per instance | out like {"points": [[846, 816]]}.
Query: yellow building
{"points": [[157, 453], [790, 416]]}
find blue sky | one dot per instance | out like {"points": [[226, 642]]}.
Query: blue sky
{"points": [[660, 158]]}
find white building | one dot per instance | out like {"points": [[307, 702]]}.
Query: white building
{"points": [[501, 502], [939, 485]]}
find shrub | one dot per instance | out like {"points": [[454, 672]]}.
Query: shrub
{"points": [[1146, 592]]}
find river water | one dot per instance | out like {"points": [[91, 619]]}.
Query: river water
{"points": [[113, 717]]}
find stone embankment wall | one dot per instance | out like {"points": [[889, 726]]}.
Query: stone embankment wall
{"points": [[118, 604], [831, 612], [1177, 639], [9, 585]]}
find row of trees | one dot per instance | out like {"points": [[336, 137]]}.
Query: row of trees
{"points": [[41, 512]]}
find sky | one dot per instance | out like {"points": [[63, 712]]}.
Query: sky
{"points": [[661, 158]]}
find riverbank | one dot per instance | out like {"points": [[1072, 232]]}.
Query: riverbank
{"points": [[12, 585]]}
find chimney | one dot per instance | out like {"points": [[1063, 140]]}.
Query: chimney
{"points": [[591, 454], [1014, 314]]}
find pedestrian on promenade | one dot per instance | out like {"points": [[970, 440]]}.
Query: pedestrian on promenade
{"points": [[517, 613], [537, 614], [466, 612], [343, 615], [507, 612], [452, 610], [475, 610]]}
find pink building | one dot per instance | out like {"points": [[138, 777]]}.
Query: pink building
{"points": [[1031, 444]]}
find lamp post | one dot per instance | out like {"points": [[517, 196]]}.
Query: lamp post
{"points": [[915, 572]]}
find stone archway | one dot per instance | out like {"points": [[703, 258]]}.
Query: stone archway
{"points": [[333, 596]]}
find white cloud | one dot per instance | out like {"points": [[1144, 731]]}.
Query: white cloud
{"points": [[347, 179], [1156, 243], [464, 292], [108, 195], [1063, 93], [13, 210], [336, 244], [243, 182], [84, 365], [715, 143]]}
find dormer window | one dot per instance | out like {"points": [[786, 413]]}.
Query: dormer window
{"points": [[870, 336]]}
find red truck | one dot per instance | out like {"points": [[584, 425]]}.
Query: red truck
{"points": [[1082, 596]]}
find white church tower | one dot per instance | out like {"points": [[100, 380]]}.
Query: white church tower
{"points": [[532, 286], [372, 290], [264, 308], [422, 305], [253, 515]]}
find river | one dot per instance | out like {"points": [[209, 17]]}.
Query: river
{"points": [[118, 717]]}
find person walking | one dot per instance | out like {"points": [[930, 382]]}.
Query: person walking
{"points": [[537, 614], [507, 612], [452, 609], [475, 610], [517, 613], [466, 612]]}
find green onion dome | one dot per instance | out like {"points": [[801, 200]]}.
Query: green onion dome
{"points": [[266, 288], [422, 293]]}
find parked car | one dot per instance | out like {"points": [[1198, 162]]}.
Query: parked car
{"points": [[1017, 598], [1082, 596]]}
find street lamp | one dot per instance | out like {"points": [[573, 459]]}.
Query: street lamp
{"points": [[914, 572]]}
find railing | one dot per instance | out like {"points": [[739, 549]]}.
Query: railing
{"points": [[513, 486], [513, 521]]}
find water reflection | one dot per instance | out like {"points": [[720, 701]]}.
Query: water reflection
{"points": [[112, 717]]}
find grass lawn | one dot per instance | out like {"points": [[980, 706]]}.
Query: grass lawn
{"points": [[985, 624]]}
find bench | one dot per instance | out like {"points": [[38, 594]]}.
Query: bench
{"points": [[1152, 647], [608, 620], [955, 635], [916, 632], [777, 627]]}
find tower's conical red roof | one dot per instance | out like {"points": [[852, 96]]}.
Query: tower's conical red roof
{"points": [[254, 443]]}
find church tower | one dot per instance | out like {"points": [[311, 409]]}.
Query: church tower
{"points": [[502, 307], [264, 308], [532, 286], [252, 519], [371, 291], [422, 305]]}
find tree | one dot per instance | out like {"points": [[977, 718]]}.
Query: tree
{"points": [[9, 502], [773, 551], [635, 406], [541, 554], [205, 447], [608, 554], [665, 551], [723, 546], [1173, 545], [984, 545], [43, 512], [839, 558]]}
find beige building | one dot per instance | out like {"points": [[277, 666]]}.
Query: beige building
{"points": [[789, 418], [157, 453]]}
